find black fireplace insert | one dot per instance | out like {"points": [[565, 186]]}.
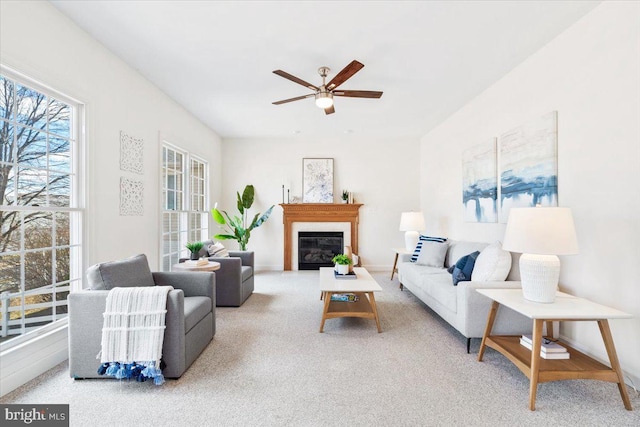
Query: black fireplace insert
{"points": [[317, 248]]}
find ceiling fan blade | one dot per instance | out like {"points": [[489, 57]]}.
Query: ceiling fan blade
{"points": [[329, 110], [358, 93], [295, 79], [297, 98], [345, 74]]}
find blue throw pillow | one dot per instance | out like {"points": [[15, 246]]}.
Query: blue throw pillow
{"points": [[464, 267], [416, 251]]}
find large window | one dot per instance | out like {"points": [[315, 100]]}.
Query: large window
{"points": [[184, 203], [40, 210]]}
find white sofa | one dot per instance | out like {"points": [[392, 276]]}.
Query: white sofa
{"points": [[461, 306]]}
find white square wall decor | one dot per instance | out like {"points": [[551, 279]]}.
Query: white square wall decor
{"points": [[131, 197], [131, 154]]}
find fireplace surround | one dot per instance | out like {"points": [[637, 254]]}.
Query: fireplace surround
{"points": [[321, 213]]}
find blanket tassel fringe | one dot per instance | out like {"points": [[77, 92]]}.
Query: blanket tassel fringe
{"points": [[136, 370]]}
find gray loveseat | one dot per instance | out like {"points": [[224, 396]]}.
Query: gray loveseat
{"points": [[190, 319], [461, 306]]}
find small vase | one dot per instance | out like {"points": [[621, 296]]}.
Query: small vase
{"points": [[343, 269], [344, 201], [195, 256]]}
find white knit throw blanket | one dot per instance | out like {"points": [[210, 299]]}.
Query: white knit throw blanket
{"points": [[134, 324]]}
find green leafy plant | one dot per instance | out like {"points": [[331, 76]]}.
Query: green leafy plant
{"points": [[236, 227], [342, 259], [194, 247], [345, 195]]}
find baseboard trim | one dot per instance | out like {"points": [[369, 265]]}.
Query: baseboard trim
{"points": [[21, 364]]}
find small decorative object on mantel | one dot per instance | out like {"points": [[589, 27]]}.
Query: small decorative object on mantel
{"points": [[194, 248], [342, 263], [345, 196]]}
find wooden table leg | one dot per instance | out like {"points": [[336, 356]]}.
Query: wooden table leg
{"points": [[372, 301], [549, 324], [613, 360], [487, 330], [535, 362], [395, 263], [327, 301]]}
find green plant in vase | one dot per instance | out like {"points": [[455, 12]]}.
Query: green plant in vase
{"points": [[345, 196], [238, 227], [342, 263], [194, 248]]}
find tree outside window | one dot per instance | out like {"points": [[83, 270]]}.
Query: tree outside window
{"points": [[39, 216]]}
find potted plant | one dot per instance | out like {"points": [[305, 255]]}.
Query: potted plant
{"points": [[342, 263], [236, 228], [194, 248], [345, 196]]}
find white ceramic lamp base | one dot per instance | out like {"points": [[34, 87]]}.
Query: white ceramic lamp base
{"points": [[539, 275], [411, 240]]}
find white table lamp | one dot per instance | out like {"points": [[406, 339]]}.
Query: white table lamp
{"points": [[411, 223], [540, 234]]}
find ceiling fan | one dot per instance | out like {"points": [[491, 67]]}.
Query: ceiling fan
{"points": [[324, 94]]}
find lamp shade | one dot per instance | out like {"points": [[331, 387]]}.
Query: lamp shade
{"points": [[541, 230], [412, 221]]}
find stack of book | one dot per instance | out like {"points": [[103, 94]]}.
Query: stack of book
{"points": [[548, 350], [197, 263], [350, 275], [344, 297]]}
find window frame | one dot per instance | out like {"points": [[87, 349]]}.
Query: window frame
{"points": [[185, 227], [76, 210]]}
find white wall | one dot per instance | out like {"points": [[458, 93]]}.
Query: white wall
{"points": [[58, 53], [382, 174], [590, 74], [40, 42]]}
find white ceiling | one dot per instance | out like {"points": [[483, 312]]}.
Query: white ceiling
{"points": [[429, 58]]}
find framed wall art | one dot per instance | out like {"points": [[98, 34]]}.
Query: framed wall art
{"points": [[480, 183], [529, 165], [317, 180]]}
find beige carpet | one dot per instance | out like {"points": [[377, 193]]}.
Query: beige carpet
{"points": [[268, 365]]}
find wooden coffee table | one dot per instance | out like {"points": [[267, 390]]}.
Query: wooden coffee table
{"points": [[364, 287]]}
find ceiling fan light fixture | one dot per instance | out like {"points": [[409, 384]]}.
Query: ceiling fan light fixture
{"points": [[324, 99]]}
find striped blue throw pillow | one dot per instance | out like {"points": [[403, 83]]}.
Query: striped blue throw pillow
{"points": [[416, 252]]}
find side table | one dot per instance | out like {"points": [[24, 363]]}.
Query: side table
{"points": [[209, 266], [565, 308], [398, 251]]}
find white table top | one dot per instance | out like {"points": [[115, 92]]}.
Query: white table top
{"points": [[209, 266], [402, 251], [564, 307], [364, 282]]}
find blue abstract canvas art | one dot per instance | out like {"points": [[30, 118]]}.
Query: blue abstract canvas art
{"points": [[529, 165], [480, 183]]}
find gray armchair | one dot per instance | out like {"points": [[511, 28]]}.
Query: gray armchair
{"points": [[234, 280], [190, 319]]}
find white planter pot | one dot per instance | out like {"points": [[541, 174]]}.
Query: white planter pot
{"points": [[342, 269]]}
